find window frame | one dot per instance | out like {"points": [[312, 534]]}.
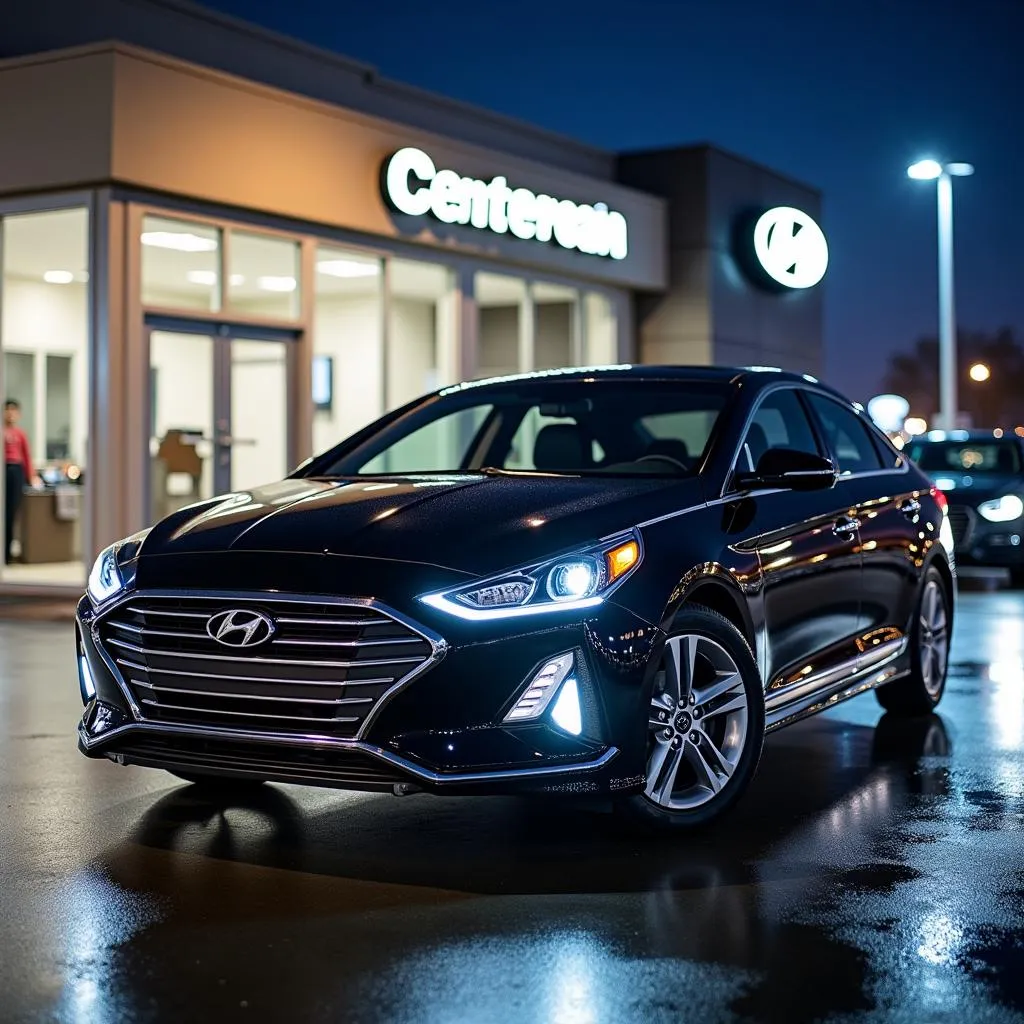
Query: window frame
{"points": [[869, 429], [819, 437]]}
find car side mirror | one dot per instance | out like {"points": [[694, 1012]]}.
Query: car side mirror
{"points": [[791, 470]]}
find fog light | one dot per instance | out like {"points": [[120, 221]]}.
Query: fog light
{"points": [[103, 718], [85, 680], [566, 712], [542, 688]]}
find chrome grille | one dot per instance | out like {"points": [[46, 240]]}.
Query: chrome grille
{"points": [[961, 522], [323, 671]]}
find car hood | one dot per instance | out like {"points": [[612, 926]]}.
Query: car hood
{"points": [[470, 523]]}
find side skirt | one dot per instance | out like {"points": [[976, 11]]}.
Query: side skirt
{"points": [[853, 685]]}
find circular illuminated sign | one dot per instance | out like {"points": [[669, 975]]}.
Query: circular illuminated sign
{"points": [[790, 247], [412, 184], [889, 411]]}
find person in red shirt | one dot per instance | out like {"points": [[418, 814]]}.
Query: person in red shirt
{"points": [[19, 469]]}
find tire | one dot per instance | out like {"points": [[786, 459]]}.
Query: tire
{"points": [[1017, 577], [919, 692], [699, 763], [220, 783]]}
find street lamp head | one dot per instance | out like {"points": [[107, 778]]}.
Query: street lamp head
{"points": [[979, 372], [925, 170], [960, 170]]}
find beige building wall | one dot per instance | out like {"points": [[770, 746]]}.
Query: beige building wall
{"points": [[56, 121], [136, 118]]}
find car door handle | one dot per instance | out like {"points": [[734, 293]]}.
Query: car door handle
{"points": [[846, 526], [910, 508]]}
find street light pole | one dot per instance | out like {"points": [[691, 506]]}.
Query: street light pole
{"points": [[942, 175], [948, 403]]}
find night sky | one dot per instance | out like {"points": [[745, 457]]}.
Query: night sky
{"points": [[842, 95]]}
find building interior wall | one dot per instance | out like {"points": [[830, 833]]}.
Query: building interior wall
{"points": [[41, 320]]}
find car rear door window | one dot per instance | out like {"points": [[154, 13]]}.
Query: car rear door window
{"points": [[779, 422], [847, 436]]}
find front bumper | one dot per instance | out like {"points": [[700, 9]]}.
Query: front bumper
{"points": [[981, 543], [441, 730]]}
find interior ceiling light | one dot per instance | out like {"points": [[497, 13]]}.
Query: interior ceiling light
{"points": [[347, 268], [182, 241], [58, 277], [276, 284]]}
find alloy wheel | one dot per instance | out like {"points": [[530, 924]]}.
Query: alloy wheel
{"points": [[933, 637], [697, 723]]}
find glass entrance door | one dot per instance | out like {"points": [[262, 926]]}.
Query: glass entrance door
{"points": [[256, 418], [219, 415]]}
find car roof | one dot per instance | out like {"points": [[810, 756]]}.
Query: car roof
{"points": [[651, 371]]}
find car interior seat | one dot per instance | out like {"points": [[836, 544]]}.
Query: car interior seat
{"points": [[562, 446]]}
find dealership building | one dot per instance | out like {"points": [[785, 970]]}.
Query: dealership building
{"points": [[223, 250]]}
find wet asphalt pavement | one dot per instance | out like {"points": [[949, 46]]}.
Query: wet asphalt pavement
{"points": [[874, 871]]}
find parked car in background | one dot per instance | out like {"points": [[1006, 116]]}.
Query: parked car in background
{"points": [[982, 475], [609, 581]]}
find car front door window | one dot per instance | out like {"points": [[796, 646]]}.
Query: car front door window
{"points": [[779, 422]]}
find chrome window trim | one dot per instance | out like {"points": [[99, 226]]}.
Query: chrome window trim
{"points": [[438, 645], [425, 774]]}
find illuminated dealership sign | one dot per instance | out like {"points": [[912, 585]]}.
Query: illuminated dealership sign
{"points": [[413, 185], [790, 247]]}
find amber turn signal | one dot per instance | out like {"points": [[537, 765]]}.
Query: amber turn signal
{"points": [[621, 559]]}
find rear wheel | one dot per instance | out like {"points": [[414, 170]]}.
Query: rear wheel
{"points": [[918, 692], [705, 724]]}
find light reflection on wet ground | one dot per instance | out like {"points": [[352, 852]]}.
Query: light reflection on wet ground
{"points": [[874, 871]]}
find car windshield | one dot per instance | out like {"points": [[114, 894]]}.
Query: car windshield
{"points": [[993, 456], [593, 426]]}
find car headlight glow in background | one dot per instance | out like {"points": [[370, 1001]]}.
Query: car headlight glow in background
{"points": [[1002, 510]]}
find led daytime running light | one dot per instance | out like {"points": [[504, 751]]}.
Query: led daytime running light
{"points": [[542, 688], [575, 581]]}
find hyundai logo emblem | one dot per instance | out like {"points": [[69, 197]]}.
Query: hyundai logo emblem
{"points": [[240, 628], [790, 247]]}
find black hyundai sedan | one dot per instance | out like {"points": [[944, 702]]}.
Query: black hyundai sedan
{"points": [[605, 581]]}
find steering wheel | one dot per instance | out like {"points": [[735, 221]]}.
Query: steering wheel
{"points": [[664, 458]]}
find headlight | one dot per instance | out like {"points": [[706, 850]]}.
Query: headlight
{"points": [[105, 578], [1002, 510], [581, 579]]}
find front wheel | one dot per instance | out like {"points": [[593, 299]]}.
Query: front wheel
{"points": [[705, 724], [921, 689]]}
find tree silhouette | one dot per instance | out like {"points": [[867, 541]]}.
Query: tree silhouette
{"points": [[997, 402]]}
